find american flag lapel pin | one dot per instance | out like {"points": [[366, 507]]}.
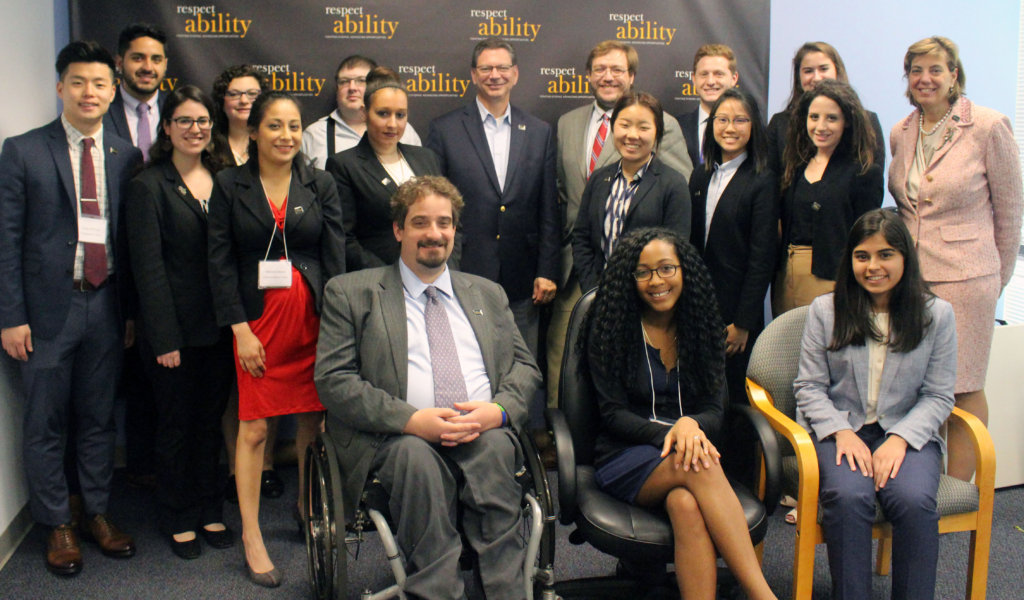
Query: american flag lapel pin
{"points": [[522, 127]]}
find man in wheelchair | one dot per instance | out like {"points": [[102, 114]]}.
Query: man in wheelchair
{"points": [[425, 379]]}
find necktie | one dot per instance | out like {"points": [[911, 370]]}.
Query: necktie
{"points": [[595, 151], [449, 386], [142, 134], [95, 267]]}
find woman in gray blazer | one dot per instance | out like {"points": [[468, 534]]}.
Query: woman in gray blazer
{"points": [[875, 383]]}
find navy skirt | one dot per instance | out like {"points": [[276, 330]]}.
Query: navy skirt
{"points": [[622, 475]]}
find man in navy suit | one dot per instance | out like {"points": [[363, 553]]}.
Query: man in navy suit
{"points": [[502, 160], [60, 306], [714, 71], [142, 63]]}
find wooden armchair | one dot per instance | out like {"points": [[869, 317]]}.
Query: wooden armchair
{"points": [[962, 506]]}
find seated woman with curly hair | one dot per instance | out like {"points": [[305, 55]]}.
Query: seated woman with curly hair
{"points": [[655, 313]]}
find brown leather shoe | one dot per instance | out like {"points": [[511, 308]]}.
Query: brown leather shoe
{"points": [[112, 541], [63, 555]]}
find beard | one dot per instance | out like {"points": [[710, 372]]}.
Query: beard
{"points": [[432, 260]]}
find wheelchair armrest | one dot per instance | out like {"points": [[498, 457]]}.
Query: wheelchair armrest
{"points": [[770, 451], [566, 458]]}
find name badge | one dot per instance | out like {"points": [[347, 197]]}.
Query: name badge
{"points": [[275, 274], [92, 230]]}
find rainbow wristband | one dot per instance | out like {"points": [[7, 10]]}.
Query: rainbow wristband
{"points": [[504, 415]]}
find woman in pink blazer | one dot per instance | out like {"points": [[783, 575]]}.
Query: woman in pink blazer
{"points": [[956, 177]]}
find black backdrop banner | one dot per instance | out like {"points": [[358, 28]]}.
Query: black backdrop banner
{"points": [[299, 43]]}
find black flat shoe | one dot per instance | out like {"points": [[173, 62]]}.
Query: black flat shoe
{"points": [[271, 485], [187, 550], [230, 491], [219, 539], [300, 522]]}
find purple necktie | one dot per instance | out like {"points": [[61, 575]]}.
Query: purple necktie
{"points": [[95, 266], [142, 134], [449, 385]]}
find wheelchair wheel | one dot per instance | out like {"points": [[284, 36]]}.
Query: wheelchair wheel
{"points": [[325, 528], [542, 575]]}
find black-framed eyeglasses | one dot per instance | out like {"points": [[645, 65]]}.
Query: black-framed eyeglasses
{"points": [[344, 81], [187, 122], [664, 271], [236, 94]]}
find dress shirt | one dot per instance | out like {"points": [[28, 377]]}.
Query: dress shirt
{"points": [[131, 113], [471, 360], [314, 138], [719, 181], [702, 123], [617, 206], [595, 125], [877, 351], [75, 138], [499, 137]]}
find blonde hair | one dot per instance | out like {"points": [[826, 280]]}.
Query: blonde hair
{"points": [[715, 50], [937, 45]]}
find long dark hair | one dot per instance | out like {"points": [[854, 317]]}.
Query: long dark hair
{"points": [[259, 110], [857, 142], [908, 317], [798, 58], [757, 146], [162, 149], [612, 331]]}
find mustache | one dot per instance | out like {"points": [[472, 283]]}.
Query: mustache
{"points": [[432, 244]]}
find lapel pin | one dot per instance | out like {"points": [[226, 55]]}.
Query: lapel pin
{"points": [[113, 150], [816, 206], [299, 210], [181, 190], [477, 311], [522, 127], [956, 117], [385, 181]]}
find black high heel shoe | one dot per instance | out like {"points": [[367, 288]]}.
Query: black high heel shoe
{"points": [[271, 485]]}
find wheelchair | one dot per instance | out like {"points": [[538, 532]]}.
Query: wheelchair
{"points": [[329, 538]]}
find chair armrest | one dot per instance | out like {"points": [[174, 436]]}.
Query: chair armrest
{"points": [[803, 447], [566, 459], [984, 450], [770, 451]]}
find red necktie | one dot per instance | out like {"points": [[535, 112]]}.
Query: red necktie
{"points": [[95, 268], [595, 151]]}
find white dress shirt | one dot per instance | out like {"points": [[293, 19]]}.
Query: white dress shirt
{"points": [[314, 138], [720, 179], [499, 137]]}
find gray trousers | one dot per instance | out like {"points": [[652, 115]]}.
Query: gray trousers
{"points": [[427, 482]]}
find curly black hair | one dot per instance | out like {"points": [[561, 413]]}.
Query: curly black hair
{"points": [[612, 327]]}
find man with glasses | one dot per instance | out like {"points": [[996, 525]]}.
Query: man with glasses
{"points": [[343, 128], [502, 160], [582, 149]]}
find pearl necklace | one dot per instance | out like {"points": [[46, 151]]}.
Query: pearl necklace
{"points": [[920, 121]]}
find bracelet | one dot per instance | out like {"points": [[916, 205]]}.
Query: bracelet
{"points": [[504, 415]]}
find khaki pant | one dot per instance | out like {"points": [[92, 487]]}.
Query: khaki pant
{"points": [[561, 310], [795, 285]]}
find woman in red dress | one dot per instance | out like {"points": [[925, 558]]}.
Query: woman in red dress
{"points": [[275, 238]]}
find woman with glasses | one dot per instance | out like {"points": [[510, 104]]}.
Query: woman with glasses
{"points": [[637, 191], [234, 92], [187, 355], [655, 354]]}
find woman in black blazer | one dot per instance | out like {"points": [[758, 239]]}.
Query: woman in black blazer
{"points": [[637, 191], [187, 355], [275, 238], [735, 224], [829, 180], [370, 173]]}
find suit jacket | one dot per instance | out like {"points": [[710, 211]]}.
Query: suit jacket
{"points": [[365, 189], [688, 123], [572, 167], [661, 200], [843, 195], [967, 220], [741, 247], [916, 393], [167, 241], [118, 123], [362, 362], [511, 236], [39, 225], [240, 228], [779, 125]]}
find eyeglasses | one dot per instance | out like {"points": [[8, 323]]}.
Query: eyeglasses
{"points": [[664, 271], [187, 122], [345, 81], [737, 121], [236, 94], [602, 69], [501, 69]]}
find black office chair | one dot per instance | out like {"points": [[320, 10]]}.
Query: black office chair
{"points": [[635, 535], [328, 536]]}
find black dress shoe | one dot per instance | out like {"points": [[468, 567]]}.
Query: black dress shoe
{"points": [[187, 550], [271, 485], [230, 491], [224, 538]]}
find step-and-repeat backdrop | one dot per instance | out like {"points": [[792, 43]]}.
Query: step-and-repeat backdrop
{"points": [[299, 44]]}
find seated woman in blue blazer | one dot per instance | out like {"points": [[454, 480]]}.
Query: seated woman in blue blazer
{"points": [[637, 191], [875, 383]]}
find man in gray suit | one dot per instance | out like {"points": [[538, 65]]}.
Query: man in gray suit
{"points": [[611, 69], [432, 412]]}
